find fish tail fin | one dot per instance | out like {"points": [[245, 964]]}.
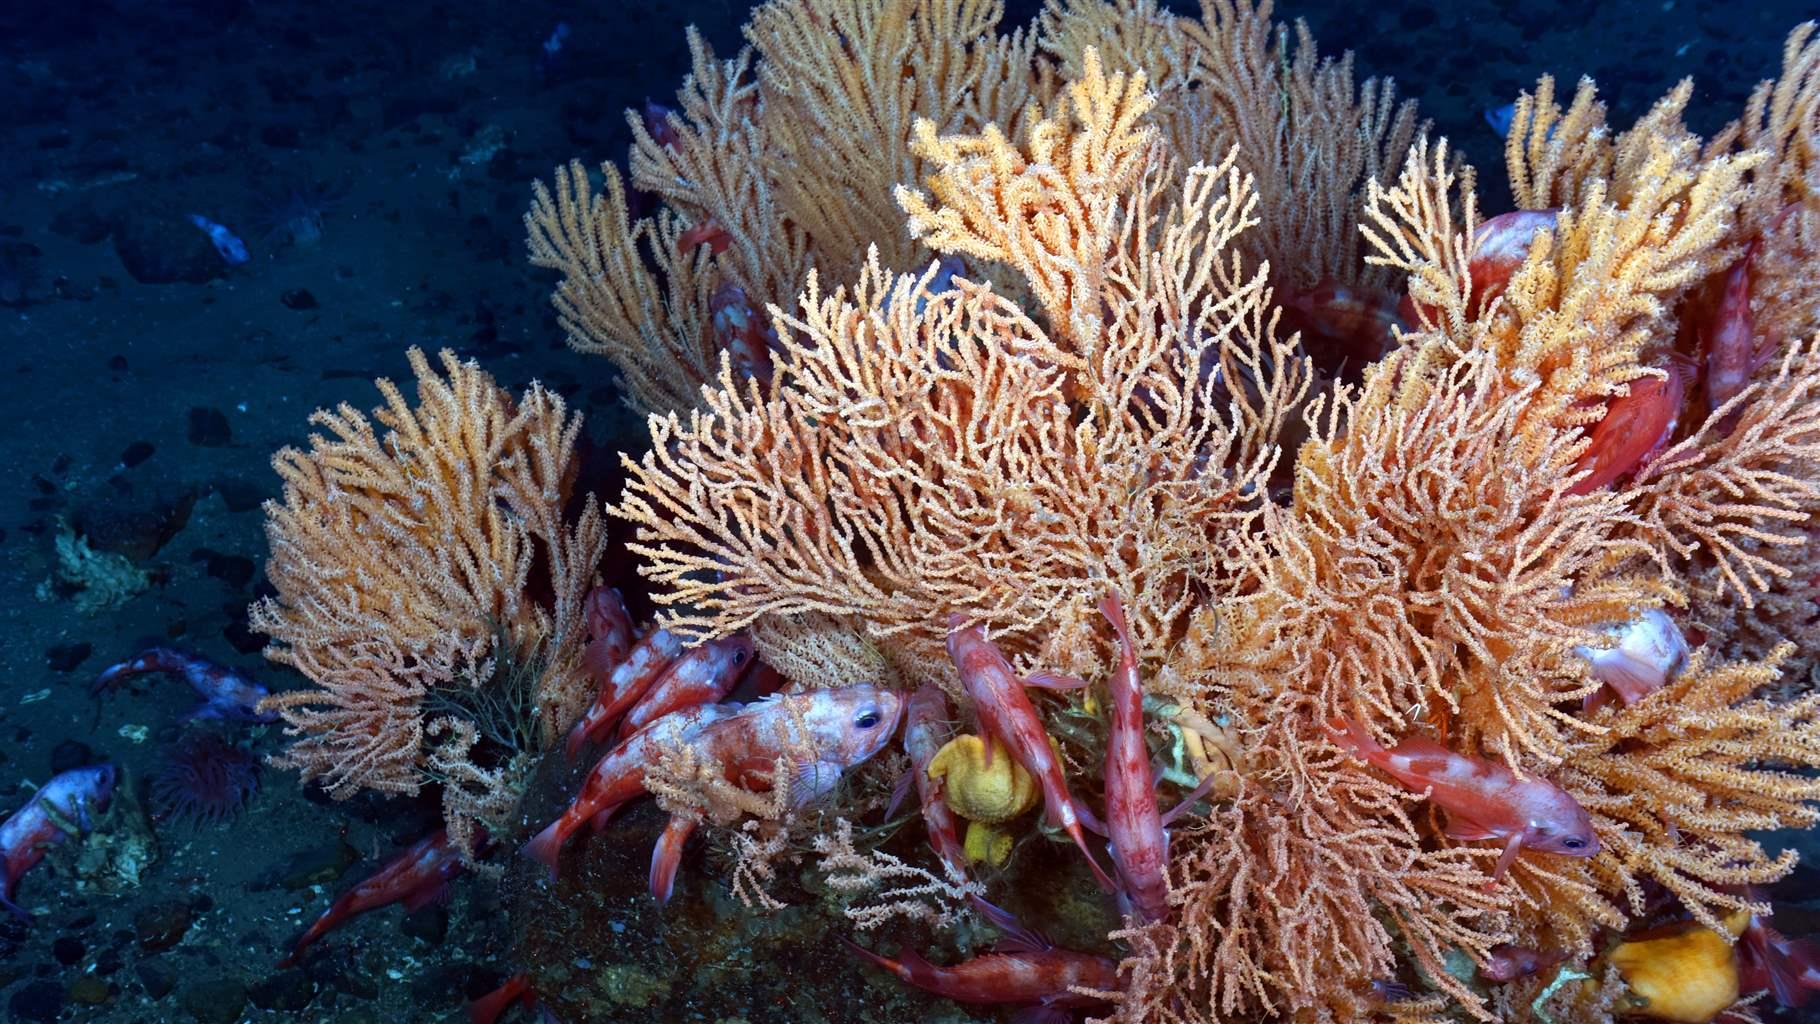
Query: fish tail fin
{"points": [[546, 845], [1348, 733], [666, 856], [577, 735], [1099, 873], [875, 959]]}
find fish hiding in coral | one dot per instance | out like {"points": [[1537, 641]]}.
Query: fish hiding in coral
{"points": [[1007, 716], [65, 802], [819, 734], [1482, 800], [621, 686], [418, 877], [226, 693]]}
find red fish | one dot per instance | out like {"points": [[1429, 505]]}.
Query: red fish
{"points": [[25, 835], [1635, 428], [1006, 715], [1482, 800], [225, 693], [1134, 826], [705, 674], [1024, 968], [1788, 969], [1731, 344], [839, 727], [708, 233], [487, 1008], [419, 877], [657, 122], [741, 332], [926, 730], [624, 687], [1508, 962], [609, 632]]}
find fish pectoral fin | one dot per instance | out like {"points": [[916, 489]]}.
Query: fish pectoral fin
{"points": [[1054, 681], [1507, 858], [811, 780], [1041, 1015], [1468, 830]]}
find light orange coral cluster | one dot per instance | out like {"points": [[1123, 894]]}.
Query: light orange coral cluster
{"points": [[1105, 394], [402, 561]]}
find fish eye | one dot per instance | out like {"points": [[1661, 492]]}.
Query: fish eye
{"points": [[1574, 843], [866, 720]]}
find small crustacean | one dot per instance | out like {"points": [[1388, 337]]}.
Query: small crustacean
{"points": [[1007, 716], [1635, 428]]}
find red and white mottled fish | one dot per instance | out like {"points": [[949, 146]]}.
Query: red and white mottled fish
{"points": [[704, 674], [1649, 653], [1483, 800], [708, 233], [927, 727], [418, 877], [1635, 428], [1729, 338], [25, 835], [1025, 968], [623, 687], [1007, 716], [226, 693], [840, 727], [1508, 962], [1134, 825], [742, 332], [609, 632]]}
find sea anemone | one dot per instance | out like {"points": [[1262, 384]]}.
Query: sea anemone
{"points": [[205, 778]]}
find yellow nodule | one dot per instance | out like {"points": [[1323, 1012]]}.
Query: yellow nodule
{"points": [[986, 844], [1688, 977], [976, 791]]}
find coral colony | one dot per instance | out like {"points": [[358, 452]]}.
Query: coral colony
{"points": [[1136, 419]]}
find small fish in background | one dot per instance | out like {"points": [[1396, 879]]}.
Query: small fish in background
{"points": [[417, 877], [227, 244], [553, 58], [226, 694], [66, 799], [1500, 117]]}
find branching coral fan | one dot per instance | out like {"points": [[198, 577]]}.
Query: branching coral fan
{"points": [[1170, 309], [402, 562], [1169, 240]]}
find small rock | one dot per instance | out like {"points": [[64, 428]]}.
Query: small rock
{"points": [[68, 950], [39, 1000], [166, 249], [161, 925], [214, 1002], [136, 453], [286, 992], [209, 428], [65, 657], [157, 979], [320, 865], [299, 299], [89, 990]]}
